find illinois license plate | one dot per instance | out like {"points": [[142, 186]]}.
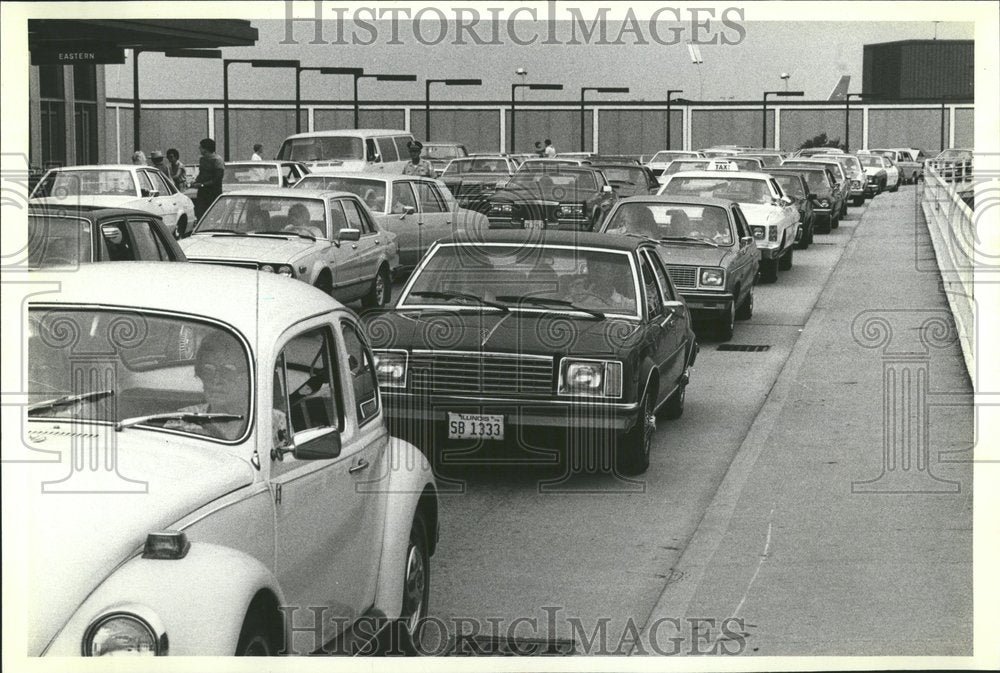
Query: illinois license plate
{"points": [[475, 426], [534, 224]]}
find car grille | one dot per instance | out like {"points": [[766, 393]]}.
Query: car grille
{"points": [[683, 276], [480, 374], [242, 264]]}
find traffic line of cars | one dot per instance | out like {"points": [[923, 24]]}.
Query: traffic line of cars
{"points": [[285, 443]]}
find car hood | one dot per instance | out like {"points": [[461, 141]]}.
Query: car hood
{"points": [[77, 539], [761, 213], [261, 248], [692, 254], [491, 331], [336, 165]]}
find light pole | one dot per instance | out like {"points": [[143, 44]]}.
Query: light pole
{"points": [[427, 98], [763, 123], [378, 78], [523, 74], [171, 53], [785, 77], [513, 92], [254, 63], [583, 114], [847, 117], [670, 92], [298, 86]]}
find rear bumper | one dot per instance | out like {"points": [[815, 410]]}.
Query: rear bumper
{"points": [[703, 304]]}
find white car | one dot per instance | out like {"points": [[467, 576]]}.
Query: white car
{"points": [[230, 473], [893, 176], [772, 216], [326, 239], [662, 159], [142, 188], [419, 211]]}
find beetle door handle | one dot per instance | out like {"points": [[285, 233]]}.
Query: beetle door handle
{"points": [[360, 465]]}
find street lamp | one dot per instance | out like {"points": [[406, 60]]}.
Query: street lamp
{"points": [[378, 78], [670, 92], [427, 98], [523, 74], [173, 53], [785, 77], [763, 123], [847, 117], [583, 114], [254, 63], [298, 86], [513, 92]]}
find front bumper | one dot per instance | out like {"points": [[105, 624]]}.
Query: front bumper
{"points": [[769, 250], [707, 303]]}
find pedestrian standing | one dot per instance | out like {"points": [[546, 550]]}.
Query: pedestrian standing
{"points": [[139, 158], [257, 149], [539, 150], [211, 169], [156, 156], [550, 151], [178, 172], [416, 165]]}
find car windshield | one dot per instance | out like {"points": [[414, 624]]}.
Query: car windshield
{"points": [[265, 214], [520, 277], [667, 156], [627, 174], [871, 161], [322, 148], [658, 220], [678, 165], [443, 151], [741, 190], [59, 241], [554, 186], [372, 192], [251, 173], [69, 183], [816, 180], [148, 365], [459, 166], [791, 185]]}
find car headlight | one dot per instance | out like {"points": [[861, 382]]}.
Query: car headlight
{"points": [[758, 232], [712, 277], [569, 210], [123, 633], [267, 268], [391, 367], [590, 378], [285, 270], [856, 184], [501, 208]]}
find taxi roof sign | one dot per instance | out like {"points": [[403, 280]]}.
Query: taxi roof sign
{"points": [[722, 165]]}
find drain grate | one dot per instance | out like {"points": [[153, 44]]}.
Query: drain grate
{"points": [[743, 348]]}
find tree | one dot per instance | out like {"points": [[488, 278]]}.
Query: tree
{"points": [[822, 141]]}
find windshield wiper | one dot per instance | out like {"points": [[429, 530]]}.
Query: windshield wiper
{"points": [[697, 239], [227, 232], [282, 233], [186, 416], [69, 400], [545, 301], [436, 294]]}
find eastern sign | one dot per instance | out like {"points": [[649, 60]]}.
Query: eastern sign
{"points": [[71, 54]]}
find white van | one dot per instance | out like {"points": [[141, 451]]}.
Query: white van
{"points": [[369, 150]]}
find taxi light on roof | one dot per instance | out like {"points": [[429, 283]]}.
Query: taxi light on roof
{"points": [[166, 545]]}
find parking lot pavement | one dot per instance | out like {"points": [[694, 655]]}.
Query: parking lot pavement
{"points": [[819, 539], [597, 550]]}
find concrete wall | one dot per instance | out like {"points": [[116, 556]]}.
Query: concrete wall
{"points": [[639, 131], [965, 128], [730, 127], [330, 120], [562, 127], [479, 130], [269, 127], [798, 126], [907, 128]]}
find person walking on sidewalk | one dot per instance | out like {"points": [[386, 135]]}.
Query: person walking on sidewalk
{"points": [[211, 169]]}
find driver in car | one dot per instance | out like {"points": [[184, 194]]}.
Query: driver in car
{"points": [[600, 284]]}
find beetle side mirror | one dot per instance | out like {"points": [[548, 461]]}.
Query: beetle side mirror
{"points": [[312, 444], [148, 193], [349, 235], [409, 210]]}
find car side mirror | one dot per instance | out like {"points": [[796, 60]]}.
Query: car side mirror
{"points": [[606, 189], [349, 235], [409, 210], [745, 241], [785, 201], [148, 193], [312, 444], [289, 181], [675, 306]]}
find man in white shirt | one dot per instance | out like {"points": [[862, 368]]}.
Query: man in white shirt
{"points": [[257, 149], [550, 151]]}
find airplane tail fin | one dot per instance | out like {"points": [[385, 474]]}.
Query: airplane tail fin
{"points": [[840, 91]]}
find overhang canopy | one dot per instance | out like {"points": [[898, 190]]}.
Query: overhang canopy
{"points": [[147, 35]]}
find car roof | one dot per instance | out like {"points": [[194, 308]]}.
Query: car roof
{"points": [[755, 175], [688, 200], [548, 236], [238, 297], [353, 133], [87, 212], [103, 167], [367, 175], [286, 193]]}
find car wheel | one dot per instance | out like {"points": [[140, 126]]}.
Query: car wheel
{"points": [[834, 221], [381, 291], [255, 638], [745, 311], [416, 582], [632, 455], [785, 263], [809, 234], [768, 270], [858, 201], [824, 228], [727, 323], [324, 284], [673, 408], [895, 187]]}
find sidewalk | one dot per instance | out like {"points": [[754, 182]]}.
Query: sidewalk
{"points": [[844, 524]]}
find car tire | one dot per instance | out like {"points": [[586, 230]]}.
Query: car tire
{"points": [[825, 227], [895, 187], [673, 407], [834, 222], [745, 310], [634, 446], [785, 263], [809, 234], [416, 583], [725, 325], [324, 284], [858, 201], [256, 639], [768, 270], [381, 290]]}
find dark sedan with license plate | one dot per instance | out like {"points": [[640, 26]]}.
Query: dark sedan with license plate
{"points": [[520, 335], [473, 180], [819, 182], [559, 197], [707, 248]]}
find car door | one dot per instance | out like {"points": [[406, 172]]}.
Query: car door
{"points": [[322, 554], [146, 241], [747, 259], [167, 199], [436, 216], [403, 219], [370, 247], [340, 257], [147, 201], [387, 150], [668, 327]]}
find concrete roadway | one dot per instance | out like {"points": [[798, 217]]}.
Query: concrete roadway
{"points": [[672, 563]]}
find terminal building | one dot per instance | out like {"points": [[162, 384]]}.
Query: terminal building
{"points": [[933, 70]]}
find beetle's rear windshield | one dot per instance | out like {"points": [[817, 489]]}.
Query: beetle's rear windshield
{"points": [[127, 364]]}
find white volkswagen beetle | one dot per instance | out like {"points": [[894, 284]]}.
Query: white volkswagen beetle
{"points": [[226, 473]]}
